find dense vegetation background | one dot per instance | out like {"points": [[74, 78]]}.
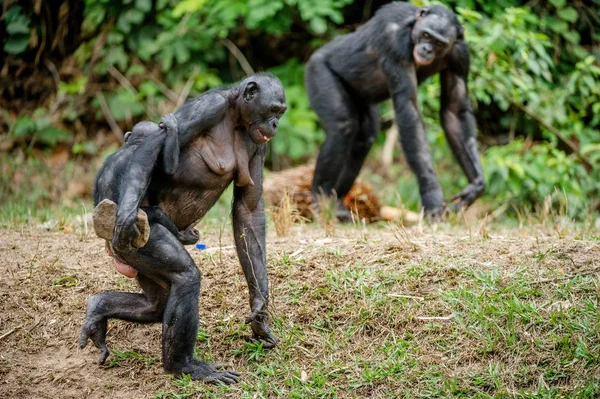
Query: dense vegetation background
{"points": [[75, 75]]}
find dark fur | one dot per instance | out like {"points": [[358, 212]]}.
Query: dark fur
{"points": [[221, 136], [348, 77], [143, 148]]}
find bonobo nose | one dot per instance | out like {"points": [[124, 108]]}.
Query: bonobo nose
{"points": [[274, 124]]}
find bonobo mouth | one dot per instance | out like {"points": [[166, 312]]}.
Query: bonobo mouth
{"points": [[259, 136], [420, 60]]}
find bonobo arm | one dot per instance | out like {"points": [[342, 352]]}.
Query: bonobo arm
{"points": [[171, 148], [200, 114], [402, 82], [134, 185], [249, 234], [459, 125]]}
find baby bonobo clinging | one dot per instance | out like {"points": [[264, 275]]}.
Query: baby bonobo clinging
{"points": [[143, 145], [222, 137]]}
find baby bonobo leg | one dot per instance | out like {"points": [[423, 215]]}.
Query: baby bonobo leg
{"points": [[164, 259], [189, 236]]}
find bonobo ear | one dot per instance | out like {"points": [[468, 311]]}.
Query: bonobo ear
{"points": [[250, 91], [422, 12]]}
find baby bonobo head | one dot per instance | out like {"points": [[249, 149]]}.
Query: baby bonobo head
{"points": [[434, 33], [261, 104]]}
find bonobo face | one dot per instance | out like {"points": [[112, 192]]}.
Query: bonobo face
{"points": [[263, 103], [434, 34]]}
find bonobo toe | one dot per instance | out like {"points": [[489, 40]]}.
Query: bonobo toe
{"points": [[436, 215], [208, 372], [261, 332], [342, 213], [96, 331]]}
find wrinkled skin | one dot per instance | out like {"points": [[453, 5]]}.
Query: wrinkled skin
{"points": [[221, 138], [388, 57]]}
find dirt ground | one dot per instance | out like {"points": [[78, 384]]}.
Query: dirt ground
{"points": [[47, 277]]}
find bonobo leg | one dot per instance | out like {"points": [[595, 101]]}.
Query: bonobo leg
{"points": [[189, 236], [142, 308], [164, 260], [362, 143], [337, 113]]}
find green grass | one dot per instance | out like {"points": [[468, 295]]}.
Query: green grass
{"points": [[511, 335]]}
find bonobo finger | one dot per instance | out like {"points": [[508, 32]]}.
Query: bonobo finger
{"points": [[252, 316], [103, 355], [83, 340], [268, 340], [220, 366], [224, 377]]}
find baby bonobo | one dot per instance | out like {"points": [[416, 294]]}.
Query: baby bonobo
{"points": [[113, 178], [222, 137]]}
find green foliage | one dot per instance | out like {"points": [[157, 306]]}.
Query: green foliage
{"points": [[521, 174], [534, 72], [38, 128], [515, 66], [17, 29], [299, 135]]}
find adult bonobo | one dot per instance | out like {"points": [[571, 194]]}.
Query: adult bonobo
{"points": [[389, 56], [222, 138]]}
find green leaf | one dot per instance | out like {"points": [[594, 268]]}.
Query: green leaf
{"points": [[23, 127], [558, 3], [16, 45], [16, 22], [568, 14], [572, 37], [318, 25], [190, 6], [87, 147], [143, 5], [51, 136], [557, 25]]}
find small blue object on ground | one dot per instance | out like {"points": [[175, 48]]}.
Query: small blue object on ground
{"points": [[201, 247]]}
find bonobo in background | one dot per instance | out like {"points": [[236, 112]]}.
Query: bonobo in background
{"points": [[397, 49], [221, 138]]}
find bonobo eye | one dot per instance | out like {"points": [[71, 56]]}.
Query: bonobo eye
{"points": [[277, 111], [426, 35]]}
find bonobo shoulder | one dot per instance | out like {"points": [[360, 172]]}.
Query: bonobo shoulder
{"points": [[395, 12], [142, 131]]}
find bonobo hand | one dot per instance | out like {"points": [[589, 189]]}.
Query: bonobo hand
{"points": [[124, 235], [168, 120], [259, 321], [468, 195], [189, 236]]}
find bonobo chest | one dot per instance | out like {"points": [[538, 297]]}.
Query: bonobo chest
{"points": [[216, 158]]}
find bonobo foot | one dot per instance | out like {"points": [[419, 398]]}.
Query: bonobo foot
{"points": [[208, 372], [342, 213], [436, 215], [189, 236], [259, 322], [95, 329], [468, 195]]}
